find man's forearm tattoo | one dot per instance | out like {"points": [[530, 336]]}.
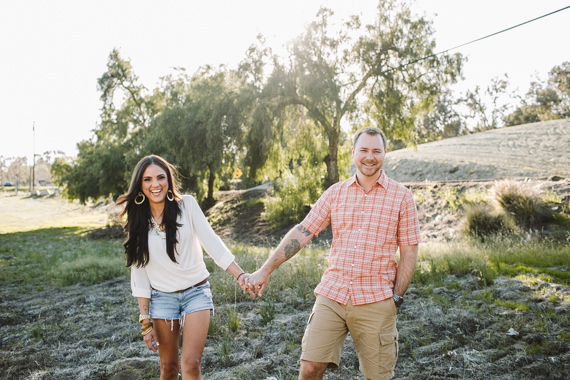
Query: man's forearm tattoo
{"points": [[292, 248], [303, 230]]}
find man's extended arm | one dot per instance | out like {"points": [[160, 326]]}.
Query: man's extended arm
{"points": [[406, 267], [292, 243]]}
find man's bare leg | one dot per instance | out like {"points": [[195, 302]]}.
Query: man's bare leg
{"points": [[312, 370]]}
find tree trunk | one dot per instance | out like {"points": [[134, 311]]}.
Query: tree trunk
{"points": [[331, 159], [210, 201]]}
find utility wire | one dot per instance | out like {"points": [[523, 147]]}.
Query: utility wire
{"points": [[482, 38]]}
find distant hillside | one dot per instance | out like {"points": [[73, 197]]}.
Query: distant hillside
{"points": [[530, 150]]}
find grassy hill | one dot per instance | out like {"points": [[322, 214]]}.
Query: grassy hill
{"points": [[530, 150]]}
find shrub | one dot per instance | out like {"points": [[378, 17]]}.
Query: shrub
{"points": [[522, 201], [482, 222], [293, 194], [267, 311]]}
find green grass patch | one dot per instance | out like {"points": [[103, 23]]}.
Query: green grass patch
{"points": [[58, 257], [438, 260], [514, 257], [474, 196], [512, 305]]}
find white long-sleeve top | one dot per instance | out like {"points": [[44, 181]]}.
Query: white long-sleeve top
{"points": [[163, 274]]}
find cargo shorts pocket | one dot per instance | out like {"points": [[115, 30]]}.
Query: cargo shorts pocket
{"points": [[388, 352], [306, 334]]}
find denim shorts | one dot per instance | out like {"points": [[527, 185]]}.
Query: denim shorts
{"points": [[172, 306]]}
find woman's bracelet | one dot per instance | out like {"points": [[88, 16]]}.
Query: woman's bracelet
{"points": [[241, 274], [147, 331]]}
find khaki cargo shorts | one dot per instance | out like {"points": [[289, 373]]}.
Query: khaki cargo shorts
{"points": [[373, 330]]}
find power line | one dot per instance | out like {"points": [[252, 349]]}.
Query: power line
{"points": [[482, 38], [504, 30]]}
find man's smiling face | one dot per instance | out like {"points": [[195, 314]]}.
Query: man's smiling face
{"points": [[368, 154]]}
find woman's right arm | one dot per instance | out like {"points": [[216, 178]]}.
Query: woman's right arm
{"points": [[144, 304]]}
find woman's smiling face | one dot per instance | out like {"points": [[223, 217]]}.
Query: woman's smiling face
{"points": [[155, 184]]}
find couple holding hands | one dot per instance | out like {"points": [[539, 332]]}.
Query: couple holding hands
{"points": [[372, 217]]}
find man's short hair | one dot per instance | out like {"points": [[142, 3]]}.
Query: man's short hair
{"points": [[371, 131]]}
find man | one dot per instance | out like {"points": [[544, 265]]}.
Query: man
{"points": [[371, 216]]}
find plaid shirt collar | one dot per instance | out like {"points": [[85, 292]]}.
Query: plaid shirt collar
{"points": [[382, 180]]}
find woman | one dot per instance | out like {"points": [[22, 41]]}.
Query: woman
{"points": [[168, 276]]}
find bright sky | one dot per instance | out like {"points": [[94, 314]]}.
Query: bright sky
{"points": [[54, 51]]}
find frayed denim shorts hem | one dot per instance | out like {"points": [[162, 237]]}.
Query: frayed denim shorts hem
{"points": [[171, 306]]}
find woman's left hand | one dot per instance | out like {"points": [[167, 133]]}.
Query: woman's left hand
{"points": [[244, 284], [151, 341]]}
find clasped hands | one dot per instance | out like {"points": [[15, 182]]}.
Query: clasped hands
{"points": [[254, 283]]}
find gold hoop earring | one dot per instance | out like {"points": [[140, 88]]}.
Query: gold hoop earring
{"points": [[169, 192], [140, 194]]}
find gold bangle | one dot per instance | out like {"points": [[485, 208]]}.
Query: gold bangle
{"points": [[146, 332], [142, 317], [147, 326]]}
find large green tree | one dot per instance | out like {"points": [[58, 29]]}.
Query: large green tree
{"points": [[201, 131], [382, 74]]}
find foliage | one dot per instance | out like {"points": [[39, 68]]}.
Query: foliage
{"points": [[371, 74], [294, 193], [545, 101], [201, 129], [521, 201], [482, 222], [473, 196], [459, 258], [233, 318], [440, 121], [267, 311], [17, 171], [104, 163], [488, 115]]}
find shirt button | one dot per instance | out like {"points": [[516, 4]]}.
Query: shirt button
{"points": [[350, 282], [352, 264], [354, 246]]}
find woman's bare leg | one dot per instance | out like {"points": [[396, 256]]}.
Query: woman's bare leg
{"points": [[194, 335], [168, 333]]}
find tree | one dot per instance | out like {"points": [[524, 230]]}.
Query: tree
{"points": [[18, 171], [104, 163], [440, 122], [202, 132], [488, 115], [545, 101], [378, 70]]}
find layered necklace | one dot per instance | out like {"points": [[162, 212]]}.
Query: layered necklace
{"points": [[156, 228]]}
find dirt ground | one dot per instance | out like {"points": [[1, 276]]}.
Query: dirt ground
{"points": [[453, 331]]}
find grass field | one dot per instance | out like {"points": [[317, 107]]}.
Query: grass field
{"points": [[465, 296]]}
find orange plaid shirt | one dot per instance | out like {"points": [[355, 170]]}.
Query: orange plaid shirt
{"points": [[367, 230]]}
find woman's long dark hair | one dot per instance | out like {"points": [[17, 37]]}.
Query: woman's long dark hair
{"points": [[139, 216]]}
